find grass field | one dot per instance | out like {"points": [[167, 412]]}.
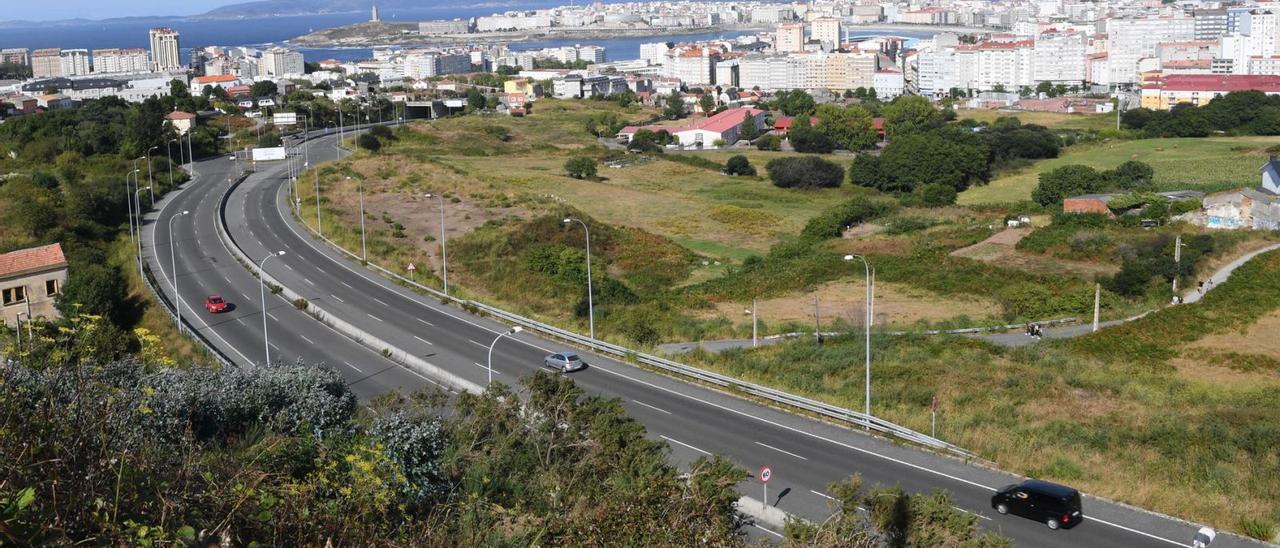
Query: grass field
{"points": [[1209, 164], [1054, 120]]}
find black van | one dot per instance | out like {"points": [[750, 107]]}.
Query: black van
{"points": [[1055, 505]]}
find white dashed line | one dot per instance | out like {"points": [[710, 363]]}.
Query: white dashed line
{"points": [[780, 450], [677, 442], [379, 301], [658, 409], [425, 321], [335, 297], [273, 317], [374, 317], [348, 286], [424, 340], [481, 345], [779, 535], [482, 366], [309, 341], [308, 281], [358, 370]]}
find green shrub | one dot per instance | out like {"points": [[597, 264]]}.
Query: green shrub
{"points": [[769, 142], [581, 167], [804, 172], [1260, 529], [937, 195], [832, 221], [739, 165], [903, 225]]}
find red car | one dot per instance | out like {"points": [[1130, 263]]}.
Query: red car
{"points": [[214, 304]]}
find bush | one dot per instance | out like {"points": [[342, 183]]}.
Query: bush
{"points": [[739, 165], [382, 132], [1066, 181], [1185, 206], [804, 172], [581, 167], [937, 195], [769, 142], [832, 221], [369, 142]]}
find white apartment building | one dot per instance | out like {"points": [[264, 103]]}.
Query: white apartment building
{"points": [[1132, 39], [1264, 66], [513, 22], [655, 53], [591, 54], [1006, 64], [278, 62], [888, 83], [1059, 57], [693, 66], [165, 49], [789, 38], [939, 71], [827, 31], [74, 62], [118, 60], [16, 56], [425, 64], [810, 71], [767, 72]]}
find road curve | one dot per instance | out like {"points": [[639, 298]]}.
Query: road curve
{"points": [[806, 455]]}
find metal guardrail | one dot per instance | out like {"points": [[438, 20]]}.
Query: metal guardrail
{"points": [[771, 394], [150, 282]]}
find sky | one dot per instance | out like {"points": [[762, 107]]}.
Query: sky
{"points": [[105, 9]]}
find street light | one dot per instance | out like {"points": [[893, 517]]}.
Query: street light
{"points": [[364, 248], [173, 269], [444, 254], [591, 311], [319, 229], [262, 288], [867, 268], [510, 332], [137, 197], [128, 200], [755, 341], [151, 182]]}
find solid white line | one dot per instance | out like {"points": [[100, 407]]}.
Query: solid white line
{"points": [[358, 370], [677, 442], [780, 450], [335, 297], [309, 341], [980, 516], [482, 366], [658, 409], [481, 345], [423, 340], [779, 535], [374, 317], [414, 299]]}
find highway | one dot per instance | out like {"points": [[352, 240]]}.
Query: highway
{"points": [[806, 455]]}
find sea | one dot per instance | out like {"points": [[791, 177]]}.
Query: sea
{"points": [[269, 31]]}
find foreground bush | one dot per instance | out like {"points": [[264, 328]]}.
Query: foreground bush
{"points": [[804, 172]]}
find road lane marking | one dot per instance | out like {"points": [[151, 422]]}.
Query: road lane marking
{"points": [[345, 284], [273, 317], [481, 345], [308, 281], [423, 340], [381, 302], [980, 516], [241, 322], [482, 366], [678, 442], [780, 450], [335, 297], [309, 341], [779, 535], [358, 370], [425, 321], [288, 267], [823, 495], [374, 317], [658, 409]]}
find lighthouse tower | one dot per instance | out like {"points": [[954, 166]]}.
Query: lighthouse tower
{"points": [[375, 19]]}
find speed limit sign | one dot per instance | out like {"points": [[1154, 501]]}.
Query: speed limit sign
{"points": [[766, 474]]}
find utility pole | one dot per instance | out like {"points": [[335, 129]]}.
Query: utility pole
{"points": [[1177, 263], [1097, 304]]}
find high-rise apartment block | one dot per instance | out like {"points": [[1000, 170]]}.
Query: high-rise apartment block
{"points": [[827, 31], [75, 62], [165, 50], [789, 38], [117, 60], [15, 56], [46, 63], [279, 62]]}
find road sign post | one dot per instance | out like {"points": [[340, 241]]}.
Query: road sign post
{"points": [[766, 473], [413, 270]]}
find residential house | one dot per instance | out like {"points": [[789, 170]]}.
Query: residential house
{"points": [[182, 122], [55, 101], [1255, 208], [30, 281], [705, 131]]}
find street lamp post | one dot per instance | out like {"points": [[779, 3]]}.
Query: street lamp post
{"points": [[128, 200], [168, 150], [173, 272], [137, 197], [444, 254], [364, 247], [755, 340], [591, 311], [262, 288], [319, 229], [867, 268], [151, 184], [509, 332]]}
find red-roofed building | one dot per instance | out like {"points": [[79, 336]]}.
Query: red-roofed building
{"points": [[705, 131], [223, 80], [782, 125], [182, 122], [30, 280], [1163, 92]]}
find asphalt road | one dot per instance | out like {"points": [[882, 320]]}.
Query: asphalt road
{"points": [[806, 455]]}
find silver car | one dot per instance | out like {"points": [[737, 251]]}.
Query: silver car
{"points": [[565, 362]]}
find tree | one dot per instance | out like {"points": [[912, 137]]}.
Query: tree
{"points": [[1130, 176], [1066, 181], [675, 106], [805, 172], [382, 132], [645, 141], [769, 142], [851, 128], [804, 138], [747, 130], [739, 165], [95, 289], [1045, 87], [795, 102], [910, 114], [581, 167], [957, 159], [369, 143], [937, 195], [475, 99], [706, 103], [264, 88]]}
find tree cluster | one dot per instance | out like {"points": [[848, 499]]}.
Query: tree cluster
{"points": [[805, 172], [1238, 113], [581, 167], [953, 158], [1074, 180]]}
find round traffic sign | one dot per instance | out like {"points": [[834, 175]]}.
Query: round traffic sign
{"points": [[766, 474]]}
